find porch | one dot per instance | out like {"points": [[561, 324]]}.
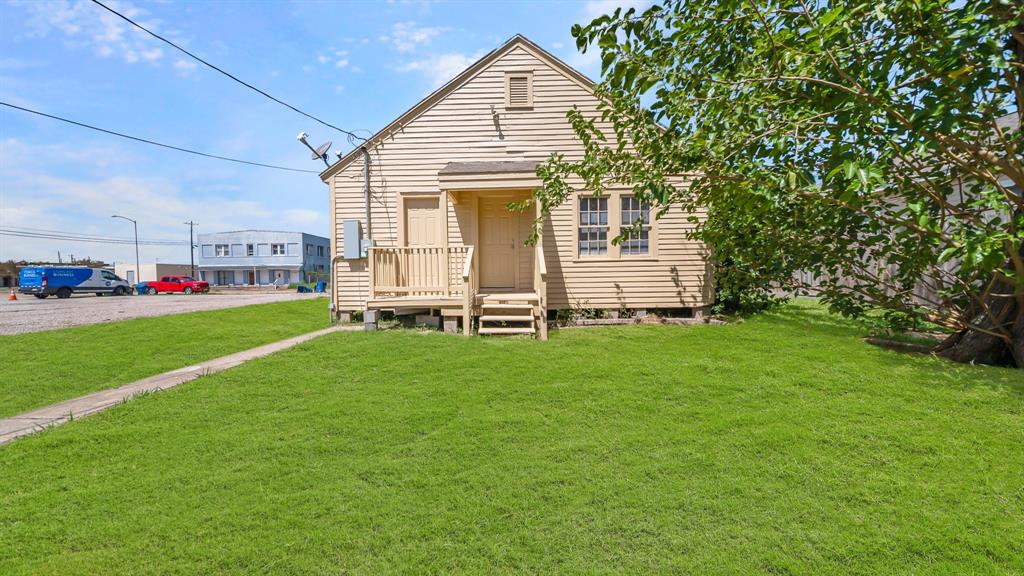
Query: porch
{"points": [[463, 251], [447, 279]]}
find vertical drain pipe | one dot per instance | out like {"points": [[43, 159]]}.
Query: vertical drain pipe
{"points": [[366, 189], [369, 318], [366, 235]]}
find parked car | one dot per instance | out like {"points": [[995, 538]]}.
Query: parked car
{"points": [[63, 281], [183, 284]]}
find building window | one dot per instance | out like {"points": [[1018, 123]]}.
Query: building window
{"points": [[309, 249], [277, 249], [250, 250], [320, 251], [593, 229], [519, 90], [634, 211], [221, 249], [319, 267]]}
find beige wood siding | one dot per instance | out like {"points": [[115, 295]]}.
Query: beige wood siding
{"points": [[459, 127]]}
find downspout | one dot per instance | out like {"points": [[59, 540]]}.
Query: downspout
{"points": [[366, 199], [366, 232], [366, 190]]}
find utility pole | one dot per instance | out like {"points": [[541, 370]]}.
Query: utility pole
{"points": [[191, 248]]}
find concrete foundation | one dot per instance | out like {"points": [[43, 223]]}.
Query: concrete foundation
{"points": [[370, 318]]}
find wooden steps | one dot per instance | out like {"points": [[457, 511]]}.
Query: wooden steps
{"points": [[506, 331], [503, 318], [507, 314], [507, 307]]}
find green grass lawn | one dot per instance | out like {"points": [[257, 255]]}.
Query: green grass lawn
{"points": [[780, 445], [45, 367]]}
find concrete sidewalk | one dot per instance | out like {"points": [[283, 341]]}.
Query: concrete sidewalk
{"points": [[56, 414]]}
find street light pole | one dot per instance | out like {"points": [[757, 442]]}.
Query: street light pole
{"points": [[138, 268]]}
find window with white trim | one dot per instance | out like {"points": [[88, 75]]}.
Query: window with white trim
{"points": [[633, 212], [277, 249], [250, 250], [593, 226], [221, 250]]}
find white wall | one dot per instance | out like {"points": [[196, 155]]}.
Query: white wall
{"points": [[152, 271]]}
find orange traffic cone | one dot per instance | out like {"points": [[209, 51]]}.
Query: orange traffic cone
{"points": [[13, 296]]}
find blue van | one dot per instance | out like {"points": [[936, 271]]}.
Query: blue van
{"points": [[63, 281]]}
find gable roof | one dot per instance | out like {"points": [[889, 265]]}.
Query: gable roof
{"points": [[434, 97]]}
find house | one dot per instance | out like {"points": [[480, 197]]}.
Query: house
{"points": [[420, 216], [261, 257], [150, 271]]}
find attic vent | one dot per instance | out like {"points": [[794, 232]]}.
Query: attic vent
{"points": [[519, 90]]}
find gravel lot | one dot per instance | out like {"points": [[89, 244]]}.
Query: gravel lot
{"points": [[30, 314]]}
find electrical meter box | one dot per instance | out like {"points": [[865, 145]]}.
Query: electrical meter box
{"points": [[355, 247]]}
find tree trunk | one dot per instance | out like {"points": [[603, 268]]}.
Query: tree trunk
{"points": [[981, 345]]}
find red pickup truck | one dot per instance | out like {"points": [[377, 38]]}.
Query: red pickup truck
{"points": [[184, 284]]}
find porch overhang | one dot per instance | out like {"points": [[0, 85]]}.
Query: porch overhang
{"points": [[458, 177]]}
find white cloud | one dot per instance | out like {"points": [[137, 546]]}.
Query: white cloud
{"points": [[443, 67], [557, 45], [82, 24], [407, 36], [18, 64], [33, 197], [595, 8], [185, 67], [590, 63], [302, 216], [339, 57], [338, 89]]}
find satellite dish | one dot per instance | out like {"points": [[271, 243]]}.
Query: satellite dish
{"points": [[318, 154], [321, 152]]}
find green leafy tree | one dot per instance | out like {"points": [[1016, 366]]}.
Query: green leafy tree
{"points": [[865, 143]]}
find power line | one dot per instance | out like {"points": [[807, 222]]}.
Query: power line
{"points": [[73, 238], [83, 235], [228, 74], [90, 240], [48, 232], [151, 142]]}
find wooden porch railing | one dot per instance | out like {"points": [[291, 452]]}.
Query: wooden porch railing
{"points": [[417, 271], [540, 285], [470, 286]]}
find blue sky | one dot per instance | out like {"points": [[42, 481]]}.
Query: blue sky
{"points": [[358, 65]]}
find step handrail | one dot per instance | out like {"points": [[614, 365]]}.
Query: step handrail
{"points": [[540, 285], [468, 291]]}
